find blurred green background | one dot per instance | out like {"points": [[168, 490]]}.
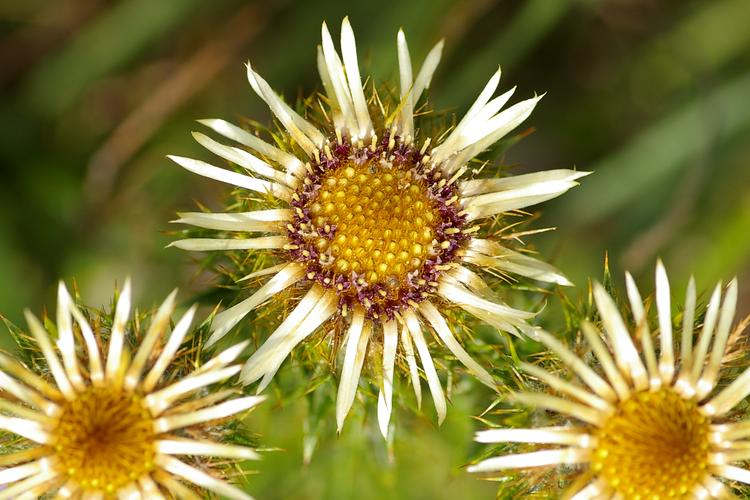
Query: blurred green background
{"points": [[653, 96]]}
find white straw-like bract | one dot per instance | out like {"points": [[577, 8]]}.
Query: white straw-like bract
{"points": [[645, 421], [102, 422], [381, 229]]}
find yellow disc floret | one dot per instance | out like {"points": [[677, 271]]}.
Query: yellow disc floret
{"points": [[104, 439], [381, 219], [655, 446]]}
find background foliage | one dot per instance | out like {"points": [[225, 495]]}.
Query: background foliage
{"points": [[651, 96]]}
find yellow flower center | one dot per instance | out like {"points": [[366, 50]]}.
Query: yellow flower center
{"points": [[655, 446], [104, 439], [382, 219]]}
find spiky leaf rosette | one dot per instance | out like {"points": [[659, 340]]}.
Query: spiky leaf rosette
{"points": [[655, 410], [105, 404], [377, 224]]}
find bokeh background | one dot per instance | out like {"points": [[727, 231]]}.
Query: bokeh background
{"points": [[653, 96]]}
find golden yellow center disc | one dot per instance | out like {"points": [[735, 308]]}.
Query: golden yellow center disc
{"points": [[656, 446], [381, 219], [104, 439]]}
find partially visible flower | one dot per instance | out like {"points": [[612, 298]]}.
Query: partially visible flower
{"points": [[643, 427], [98, 425], [377, 221]]}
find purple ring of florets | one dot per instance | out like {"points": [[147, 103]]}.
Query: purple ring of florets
{"points": [[421, 282]]}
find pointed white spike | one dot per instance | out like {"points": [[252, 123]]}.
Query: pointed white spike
{"points": [[338, 80], [490, 254], [13, 474], [307, 136], [66, 342], [594, 338], [169, 350], [245, 160], [729, 397], [204, 448], [491, 204], [349, 54], [225, 357], [53, 362], [96, 369], [734, 473], [159, 324], [271, 220], [567, 456], [564, 406], [433, 381], [221, 244], [481, 136], [14, 387], [433, 316], [583, 370], [47, 393], [711, 373], [385, 397], [563, 386], [480, 186], [411, 361], [29, 429], [162, 399], [625, 352], [495, 105], [354, 357], [639, 314], [17, 490], [115, 367], [704, 340], [338, 118], [264, 359], [227, 319], [312, 311], [221, 411], [405, 77], [240, 180], [291, 163], [539, 435], [664, 308], [325, 308], [424, 77], [448, 147], [688, 325]]}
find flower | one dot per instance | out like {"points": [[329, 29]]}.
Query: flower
{"points": [[642, 426], [375, 222], [111, 426]]}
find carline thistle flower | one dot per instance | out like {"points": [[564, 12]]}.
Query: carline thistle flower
{"points": [[96, 426], [647, 427], [378, 226]]}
